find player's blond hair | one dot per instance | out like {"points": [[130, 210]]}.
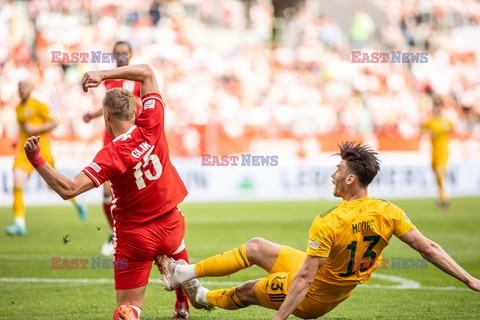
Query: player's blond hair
{"points": [[120, 103]]}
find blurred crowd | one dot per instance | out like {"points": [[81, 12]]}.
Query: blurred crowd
{"points": [[224, 78]]}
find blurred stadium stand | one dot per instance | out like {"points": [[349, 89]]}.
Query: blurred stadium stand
{"points": [[239, 76]]}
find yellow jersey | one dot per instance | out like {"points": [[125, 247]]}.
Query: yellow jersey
{"points": [[36, 113], [439, 128], [352, 236]]}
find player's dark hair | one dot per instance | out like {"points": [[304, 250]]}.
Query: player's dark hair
{"points": [[122, 42], [361, 160], [120, 103]]}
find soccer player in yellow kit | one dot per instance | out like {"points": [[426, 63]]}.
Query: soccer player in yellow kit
{"points": [[344, 247], [439, 128], [33, 118]]}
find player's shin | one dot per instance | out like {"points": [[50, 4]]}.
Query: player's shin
{"points": [[182, 299], [223, 264], [18, 204], [222, 298]]}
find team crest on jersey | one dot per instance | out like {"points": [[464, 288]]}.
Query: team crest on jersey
{"points": [[313, 244], [149, 104], [406, 217], [95, 167], [28, 112]]}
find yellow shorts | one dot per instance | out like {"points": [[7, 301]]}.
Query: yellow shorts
{"points": [[21, 161], [272, 290]]}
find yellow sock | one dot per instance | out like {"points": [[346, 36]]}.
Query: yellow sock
{"points": [[224, 298], [440, 184], [18, 204], [223, 264]]}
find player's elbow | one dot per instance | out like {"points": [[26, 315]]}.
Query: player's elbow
{"points": [[429, 250], [66, 195], [147, 71]]}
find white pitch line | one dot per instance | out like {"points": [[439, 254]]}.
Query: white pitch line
{"points": [[402, 283]]}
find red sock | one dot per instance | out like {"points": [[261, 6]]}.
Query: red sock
{"points": [[108, 213], [181, 296]]}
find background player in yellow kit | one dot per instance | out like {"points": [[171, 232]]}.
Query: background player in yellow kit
{"points": [[440, 129], [33, 119], [344, 248]]}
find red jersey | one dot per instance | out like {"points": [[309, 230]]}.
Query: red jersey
{"points": [[133, 87], [145, 184]]}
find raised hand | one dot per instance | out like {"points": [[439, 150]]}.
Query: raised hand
{"points": [[91, 79], [31, 144]]}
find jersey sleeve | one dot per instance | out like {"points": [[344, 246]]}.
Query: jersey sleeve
{"points": [[152, 113], [44, 111], [103, 166], [320, 239], [427, 125], [402, 223]]}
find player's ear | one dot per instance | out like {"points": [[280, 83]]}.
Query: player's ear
{"points": [[107, 114], [351, 178]]}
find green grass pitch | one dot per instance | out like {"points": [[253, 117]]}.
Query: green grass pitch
{"points": [[26, 291]]}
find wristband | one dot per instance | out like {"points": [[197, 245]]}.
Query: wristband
{"points": [[35, 158]]}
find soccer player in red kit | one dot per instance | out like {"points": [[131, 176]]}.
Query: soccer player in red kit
{"points": [[122, 51], [146, 188]]}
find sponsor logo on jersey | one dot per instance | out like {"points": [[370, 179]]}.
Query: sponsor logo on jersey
{"points": [[95, 167], [313, 244], [406, 217], [149, 104]]}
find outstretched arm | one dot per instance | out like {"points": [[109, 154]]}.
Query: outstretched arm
{"points": [[87, 117], [35, 129], [299, 286], [141, 73], [436, 255], [62, 185]]}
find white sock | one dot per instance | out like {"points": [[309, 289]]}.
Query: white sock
{"points": [[139, 311], [185, 272], [20, 222], [202, 295]]}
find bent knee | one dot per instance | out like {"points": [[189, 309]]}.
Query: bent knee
{"points": [[255, 244]]}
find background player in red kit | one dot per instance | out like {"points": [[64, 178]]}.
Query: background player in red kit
{"points": [[146, 188], [122, 51]]}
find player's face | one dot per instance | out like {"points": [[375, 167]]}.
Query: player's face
{"points": [[24, 89], [123, 55], [339, 179]]}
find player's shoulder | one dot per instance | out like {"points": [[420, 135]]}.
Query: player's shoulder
{"points": [[326, 217], [385, 206], [327, 212]]}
